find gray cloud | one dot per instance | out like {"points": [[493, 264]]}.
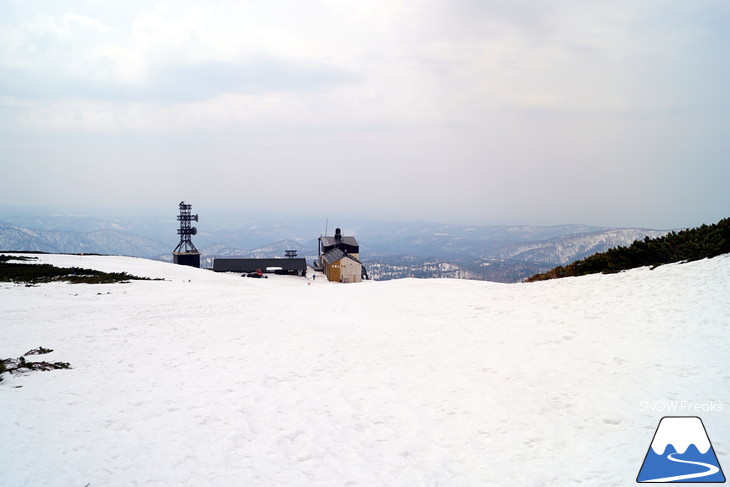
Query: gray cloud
{"points": [[608, 112]]}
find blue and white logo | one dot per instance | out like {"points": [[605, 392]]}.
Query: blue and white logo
{"points": [[681, 452]]}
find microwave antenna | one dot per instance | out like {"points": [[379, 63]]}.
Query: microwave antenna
{"points": [[185, 253]]}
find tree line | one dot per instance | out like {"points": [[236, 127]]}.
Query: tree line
{"points": [[683, 246]]}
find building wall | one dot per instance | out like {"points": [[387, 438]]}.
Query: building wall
{"points": [[350, 271], [186, 258], [332, 271], [344, 270], [289, 266]]}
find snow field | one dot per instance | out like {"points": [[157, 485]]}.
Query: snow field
{"points": [[212, 379]]}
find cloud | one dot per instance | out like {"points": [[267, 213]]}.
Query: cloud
{"points": [[161, 55], [463, 104], [190, 82], [206, 79]]}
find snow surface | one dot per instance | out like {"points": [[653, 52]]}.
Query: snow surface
{"points": [[214, 379]]}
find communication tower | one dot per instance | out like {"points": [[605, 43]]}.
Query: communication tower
{"points": [[185, 253]]}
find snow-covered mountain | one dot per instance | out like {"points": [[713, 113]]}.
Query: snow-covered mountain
{"points": [[103, 241], [213, 379], [566, 249]]}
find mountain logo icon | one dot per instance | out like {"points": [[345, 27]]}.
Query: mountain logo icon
{"points": [[681, 452]]}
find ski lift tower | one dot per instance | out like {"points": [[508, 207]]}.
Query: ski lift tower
{"points": [[185, 253]]}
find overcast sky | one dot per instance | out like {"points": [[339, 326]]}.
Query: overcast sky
{"points": [[464, 111]]}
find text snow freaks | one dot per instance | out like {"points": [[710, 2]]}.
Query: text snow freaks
{"points": [[681, 406]]}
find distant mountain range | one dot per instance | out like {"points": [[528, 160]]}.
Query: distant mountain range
{"points": [[97, 241], [389, 250]]}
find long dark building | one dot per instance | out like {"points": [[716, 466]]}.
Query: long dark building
{"points": [[295, 266]]}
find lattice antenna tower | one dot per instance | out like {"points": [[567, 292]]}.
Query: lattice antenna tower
{"points": [[186, 231]]}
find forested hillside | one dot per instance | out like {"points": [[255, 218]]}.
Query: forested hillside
{"points": [[686, 245]]}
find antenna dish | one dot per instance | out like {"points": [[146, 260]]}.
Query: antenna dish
{"points": [[194, 231]]}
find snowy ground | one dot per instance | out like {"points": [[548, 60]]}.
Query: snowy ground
{"points": [[213, 379]]}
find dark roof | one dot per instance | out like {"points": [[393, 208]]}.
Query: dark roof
{"points": [[329, 241], [332, 256], [250, 265], [336, 254]]}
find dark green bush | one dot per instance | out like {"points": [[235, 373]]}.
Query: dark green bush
{"points": [[687, 245], [40, 273]]}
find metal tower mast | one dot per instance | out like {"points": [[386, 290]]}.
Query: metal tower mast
{"points": [[185, 253]]}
